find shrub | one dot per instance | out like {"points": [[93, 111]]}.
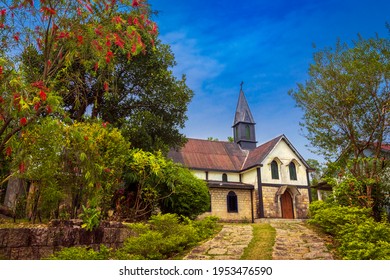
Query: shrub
{"points": [[358, 235], [368, 240], [164, 237], [82, 253], [332, 217]]}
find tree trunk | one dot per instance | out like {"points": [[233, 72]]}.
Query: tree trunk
{"points": [[16, 188]]}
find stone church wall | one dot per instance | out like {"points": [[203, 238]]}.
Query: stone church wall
{"points": [[272, 207], [219, 205]]}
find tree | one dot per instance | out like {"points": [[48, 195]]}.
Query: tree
{"points": [[346, 107], [62, 34], [41, 41], [70, 165], [154, 182]]}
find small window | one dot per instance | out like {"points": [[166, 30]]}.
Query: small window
{"points": [[247, 132], [274, 170], [293, 171], [224, 177], [232, 202]]}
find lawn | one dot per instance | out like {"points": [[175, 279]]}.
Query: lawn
{"points": [[260, 247]]}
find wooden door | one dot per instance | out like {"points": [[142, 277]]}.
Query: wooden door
{"points": [[287, 206]]}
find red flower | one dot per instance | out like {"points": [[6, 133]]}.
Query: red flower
{"points": [[63, 35], [37, 106], [108, 170], [106, 87], [3, 12], [109, 55], [23, 121], [86, 138], [48, 11], [48, 109], [135, 3], [80, 39], [117, 19], [1, 70], [104, 124], [38, 84], [42, 95], [1, 99], [22, 167], [118, 41], [16, 37], [8, 151]]}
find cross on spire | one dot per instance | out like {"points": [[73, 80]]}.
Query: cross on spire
{"points": [[242, 83]]}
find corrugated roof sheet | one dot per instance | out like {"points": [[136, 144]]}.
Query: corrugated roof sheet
{"points": [[213, 155], [220, 155]]}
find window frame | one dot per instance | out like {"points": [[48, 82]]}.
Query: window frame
{"points": [[292, 168], [275, 170], [232, 202]]}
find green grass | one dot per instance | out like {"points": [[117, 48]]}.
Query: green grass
{"points": [[260, 247]]}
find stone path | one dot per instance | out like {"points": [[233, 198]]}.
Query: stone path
{"points": [[294, 241], [229, 244]]}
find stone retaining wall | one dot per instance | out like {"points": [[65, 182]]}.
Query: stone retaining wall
{"points": [[40, 242]]}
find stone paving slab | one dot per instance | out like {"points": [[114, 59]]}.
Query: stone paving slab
{"points": [[295, 241], [229, 244]]}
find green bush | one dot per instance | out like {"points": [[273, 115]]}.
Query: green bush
{"points": [[368, 240], [164, 237], [358, 235], [332, 217], [82, 253]]}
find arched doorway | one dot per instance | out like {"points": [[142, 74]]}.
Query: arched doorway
{"points": [[287, 205]]}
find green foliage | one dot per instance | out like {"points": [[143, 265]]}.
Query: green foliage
{"points": [[332, 217], [368, 240], [90, 217], [190, 196], [164, 237], [358, 235], [70, 165], [345, 99], [82, 253], [154, 181]]}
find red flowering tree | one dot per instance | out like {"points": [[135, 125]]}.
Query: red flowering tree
{"points": [[42, 41]]}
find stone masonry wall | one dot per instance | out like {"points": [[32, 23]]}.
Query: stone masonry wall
{"points": [[219, 205], [40, 242], [272, 204]]}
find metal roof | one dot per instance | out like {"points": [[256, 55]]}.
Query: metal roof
{"points": [[243, 113], [224, 156]]}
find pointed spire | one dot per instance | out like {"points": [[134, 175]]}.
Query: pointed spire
{"points": [[243, 113]]}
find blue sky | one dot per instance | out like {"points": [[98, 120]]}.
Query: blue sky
{"points": [[268, 45]]}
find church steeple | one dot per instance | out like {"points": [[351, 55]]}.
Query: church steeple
{"points": [[244, 124]]}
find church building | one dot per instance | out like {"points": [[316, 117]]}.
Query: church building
{"points": [[246, 181]]}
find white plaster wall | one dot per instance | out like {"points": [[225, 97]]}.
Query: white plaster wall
{"points": [[217, 176], [250, 177], [284, 154], [199, 174]]}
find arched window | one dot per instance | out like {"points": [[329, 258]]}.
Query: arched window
{"points": [[224, 177], [232, 202], [274, 170], [247, 132], [293, 171]]}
